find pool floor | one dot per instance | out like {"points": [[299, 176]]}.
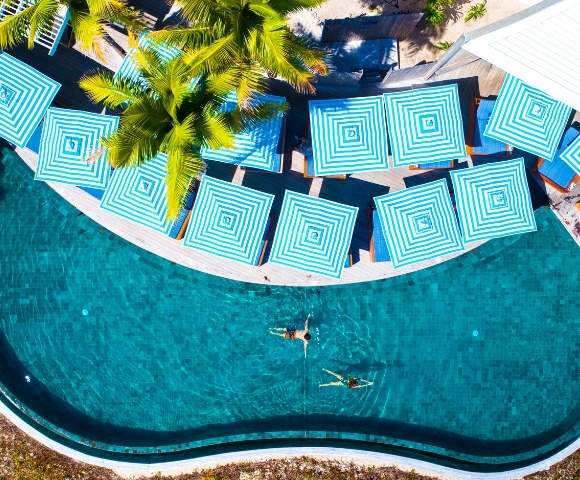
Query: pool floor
{"points": [[115, 349]]}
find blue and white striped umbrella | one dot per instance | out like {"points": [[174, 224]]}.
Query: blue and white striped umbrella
{"points": [[425, 125], [493, 200], [348, 135], [257, 147], [139, 194], [419, 223], [572, 155], [229, 220], [71, 150], [528, 119], [129, 69], [25, 95], [313, 234]]}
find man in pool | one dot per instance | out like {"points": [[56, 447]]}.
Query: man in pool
{"points": [[290, 333], [350, 382]]}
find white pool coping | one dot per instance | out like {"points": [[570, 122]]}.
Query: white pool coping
{"points": [[361, 457], [267, 274]]}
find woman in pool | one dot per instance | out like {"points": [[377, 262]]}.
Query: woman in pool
{"points": [[290, 333], [350, 382]]}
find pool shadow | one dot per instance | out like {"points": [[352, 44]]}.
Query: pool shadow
{"points": [[357, 193], [76, 427]]}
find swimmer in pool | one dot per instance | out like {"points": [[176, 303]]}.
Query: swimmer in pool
{"points": [[290, 333], [350, 382]]}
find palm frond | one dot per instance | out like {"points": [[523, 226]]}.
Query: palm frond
{"points": [[89, 31], [274, 55], [180, 136], [113, 93], [199, 11], [42, 18], [182, 168], [192, 37], [287, 7], [14, 28], [214, 57], [218, 130]]}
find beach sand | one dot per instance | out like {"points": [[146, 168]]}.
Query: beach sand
{"points": [[421, 44]]}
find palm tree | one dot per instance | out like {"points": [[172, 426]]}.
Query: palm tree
{"points": [[246, 39], [168, 113], [88, 19]]}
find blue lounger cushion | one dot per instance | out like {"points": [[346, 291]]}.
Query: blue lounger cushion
{"points": [[381, 252], [444, 164], [180, 220], [95, 192], [557, 171], [483, 145], [264, 240]]}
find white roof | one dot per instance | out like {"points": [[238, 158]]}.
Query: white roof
{"points": [[540, 46]]}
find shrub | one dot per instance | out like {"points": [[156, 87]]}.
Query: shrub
{"points": [[444, 45], [476, 11]]}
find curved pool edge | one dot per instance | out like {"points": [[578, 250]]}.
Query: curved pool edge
{"points": [[267, 274], [363, 457]]}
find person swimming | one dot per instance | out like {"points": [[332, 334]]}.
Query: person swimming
{"points": [[348, 382], [290, 333]]}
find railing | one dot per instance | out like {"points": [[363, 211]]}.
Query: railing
{"points": [[46, 37]]}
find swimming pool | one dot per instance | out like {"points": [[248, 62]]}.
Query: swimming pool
{"points": [[116, 352]]}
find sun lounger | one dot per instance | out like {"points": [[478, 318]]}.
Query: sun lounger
{"points": [[558, 173], [433, 166], [479, 144], [378, 245], [180, 225]]}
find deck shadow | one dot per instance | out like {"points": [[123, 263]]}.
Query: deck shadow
{"points": [[67, 67], [357, 193]]}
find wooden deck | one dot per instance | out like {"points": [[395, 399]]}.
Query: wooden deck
{"points": [[474, 77], [358, 190]]}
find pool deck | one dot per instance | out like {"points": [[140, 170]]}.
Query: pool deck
{"points": [[269, 274], [473, 76]]}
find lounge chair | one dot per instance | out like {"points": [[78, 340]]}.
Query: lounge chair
{"points": [[349, 261], [377, 245], [478, 143], [265, 240], [433, 166], [558, 173], [180, 224], [309, 167]]}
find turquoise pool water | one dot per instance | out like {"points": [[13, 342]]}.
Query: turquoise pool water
{"points": [[120, 353]]}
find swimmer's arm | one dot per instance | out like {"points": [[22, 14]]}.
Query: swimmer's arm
{"points": [[332, 384], [335, 375]]}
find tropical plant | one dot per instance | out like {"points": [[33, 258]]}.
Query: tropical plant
{"points": [[476, 11], [88, 19], [168, 113], [443, 45], [434, 13], [246, 39]]}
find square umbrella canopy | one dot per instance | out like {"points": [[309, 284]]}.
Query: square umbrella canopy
{"points": [[528, 119], [229, 220], [25, 95], [572, 155], [257, 147], [71, 150], [348, 135], [419, 223], [425, 125], [313, 234], [493, 200], [139, 194], [129, 69]]}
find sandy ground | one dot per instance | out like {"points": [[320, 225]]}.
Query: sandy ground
{"points": [[421, 46], [22, 458]]}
